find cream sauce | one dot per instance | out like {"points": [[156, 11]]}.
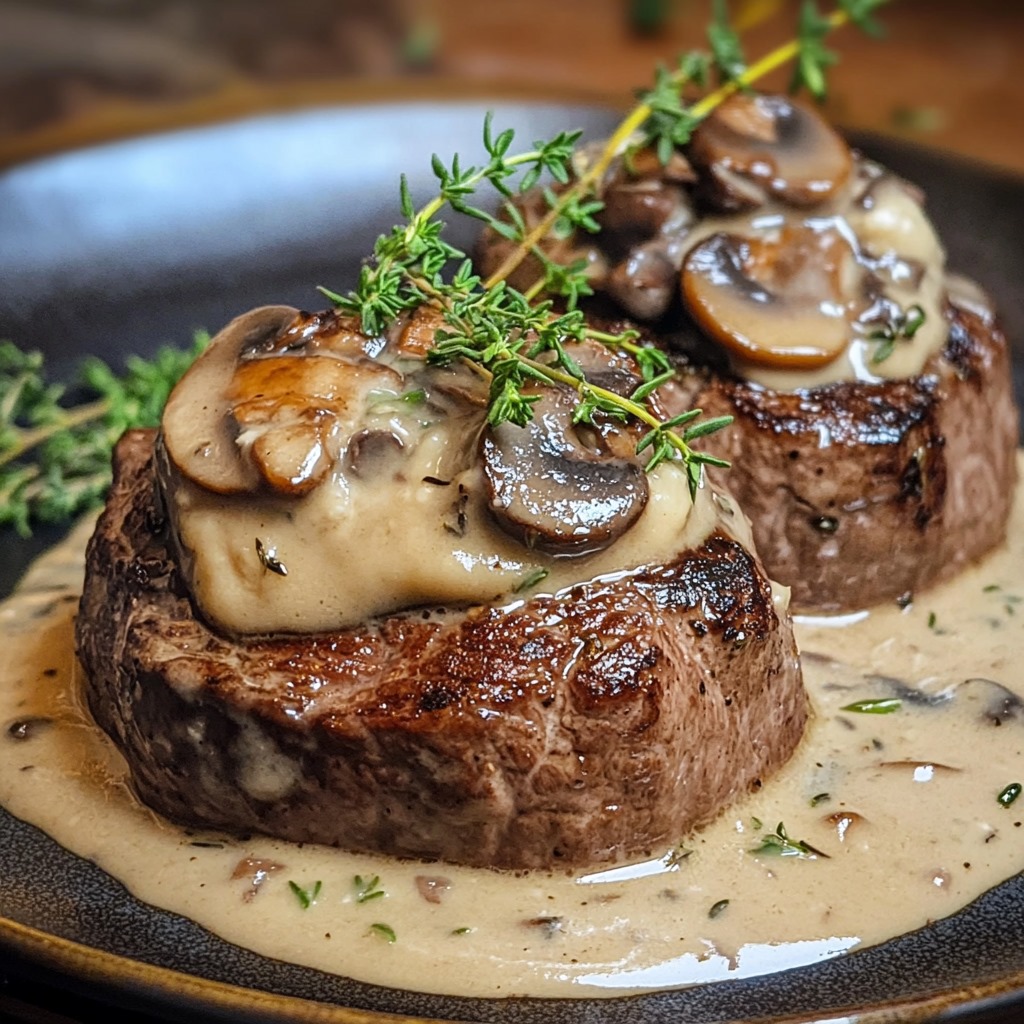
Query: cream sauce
{"points": [[905, 805], [885, 232], [348, 557]]}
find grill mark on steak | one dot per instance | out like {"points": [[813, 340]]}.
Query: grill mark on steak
{"points": [[585, 727]]}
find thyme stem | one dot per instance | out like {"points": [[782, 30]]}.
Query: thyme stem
{"points": [[27, 439], [623, 135]]}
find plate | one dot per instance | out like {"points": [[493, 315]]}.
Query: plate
{"points": [[126, 246]]}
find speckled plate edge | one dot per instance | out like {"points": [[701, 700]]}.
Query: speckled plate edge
{"points": [[191, 994]]}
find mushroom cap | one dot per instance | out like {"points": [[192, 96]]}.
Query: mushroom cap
{"points": [[269, 401], [775, 302], [755, 146], [559, 487], [198, 432]]}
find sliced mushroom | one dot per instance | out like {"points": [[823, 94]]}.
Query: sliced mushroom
{"points": [[559, 488], [752, 147], [773, 301], [198, 433], [635, 211], [292, 412], [370, 452], [644, 283]]}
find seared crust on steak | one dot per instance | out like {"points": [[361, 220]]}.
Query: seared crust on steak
{"points": [[588, 727], [861, 492]]}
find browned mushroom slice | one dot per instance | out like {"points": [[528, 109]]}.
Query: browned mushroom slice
{"points": [[559, 488], [290, 411], [328, 332], [198, 433], [644, 283], [775, 302], [752, 147]]}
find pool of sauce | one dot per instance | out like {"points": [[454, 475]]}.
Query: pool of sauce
{"points": [[881, 823]]}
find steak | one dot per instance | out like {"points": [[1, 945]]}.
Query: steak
{"points": [[601, 723], [862, 492]]}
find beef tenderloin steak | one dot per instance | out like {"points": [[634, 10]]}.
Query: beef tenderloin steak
{"points": [[592, 726], [864, 492]]}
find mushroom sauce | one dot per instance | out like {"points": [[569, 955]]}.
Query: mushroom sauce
{"points": [[885, 819], [291, 440], [870, 246]]}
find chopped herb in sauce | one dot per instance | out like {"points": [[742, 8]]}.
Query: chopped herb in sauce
{"points": [[532, 579], [385, 931], [883, 706], [306, 897], [820, 798], [367, 888], [269, 560], [717, 908], [1010, 794], [780, 844], [460, 931]]}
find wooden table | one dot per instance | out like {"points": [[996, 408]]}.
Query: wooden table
{"points": [[74, 71]]}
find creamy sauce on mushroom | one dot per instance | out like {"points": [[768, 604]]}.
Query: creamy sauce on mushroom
{"points": [[875, 227], [289, 443], [906, 805], [348, 557]]}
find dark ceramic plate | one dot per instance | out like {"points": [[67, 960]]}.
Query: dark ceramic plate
{"points": [[125, 246]]}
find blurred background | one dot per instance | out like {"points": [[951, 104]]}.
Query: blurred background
{"points": [[75, 71]]}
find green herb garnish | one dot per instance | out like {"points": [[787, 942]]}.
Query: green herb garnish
{"points": [[531, 579], [903, 324], [55, 457], [513, 336], [1010, 794], [780, 844], [306, 897], [368, 888], [882, 706], [385, 931], [820, 798]]}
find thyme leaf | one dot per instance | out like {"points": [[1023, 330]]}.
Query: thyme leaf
{"points": [[901, 325], [780, 844], [882, 706], [385, 931], [1008, 795], [305, 896], [55, 456], [368, 888], [531, 579]]}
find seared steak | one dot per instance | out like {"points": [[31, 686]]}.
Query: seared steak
{"points": [[864, 492], [599, 724]]}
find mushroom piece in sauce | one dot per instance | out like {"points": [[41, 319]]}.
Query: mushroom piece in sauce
{"points": [[198, 433], [774, 301], [753, 147], [268, 403], [562, 488]]}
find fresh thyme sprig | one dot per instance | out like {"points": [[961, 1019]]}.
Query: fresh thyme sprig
{"points": [[662, 115], [55, 458], [502, 330]]}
